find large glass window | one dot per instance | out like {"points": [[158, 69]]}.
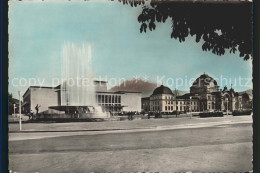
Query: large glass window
{"points": [[103, 98], [109, 99], [99, 98]]}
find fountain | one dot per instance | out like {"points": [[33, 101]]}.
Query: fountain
{"points": [[77, 91]]}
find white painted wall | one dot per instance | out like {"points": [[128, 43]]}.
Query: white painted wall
{"points": [[132, 101]]}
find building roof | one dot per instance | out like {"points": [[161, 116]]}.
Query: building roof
{"points": [[100, 81], [46, 87], [204, 80], [185, 96], [122, 92], [162, 90]]}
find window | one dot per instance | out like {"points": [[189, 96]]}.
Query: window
{"points": [[181, 108], [103, 98], [166, 108], [99, 98], [177, 108], [171, 107]]}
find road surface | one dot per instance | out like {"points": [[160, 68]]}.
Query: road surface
{"points": [[216, 148]]}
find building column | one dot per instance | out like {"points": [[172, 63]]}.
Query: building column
{"points": [[233, 107], [222, 104]]}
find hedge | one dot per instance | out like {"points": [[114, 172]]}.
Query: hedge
{"points": [[211, 114]]}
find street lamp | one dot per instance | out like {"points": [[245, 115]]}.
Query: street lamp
{"points": [[14, 110], [190, 107], [20, 115]]}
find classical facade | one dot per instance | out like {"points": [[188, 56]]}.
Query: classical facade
{"points": [[212, 98], [205, 95], [109, 101], [162, 100]]}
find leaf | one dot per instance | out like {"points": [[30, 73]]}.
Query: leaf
{"points": [[205, 46], [151, 26], [140, 18], [198, 37], [143, 27], [247, 57]]}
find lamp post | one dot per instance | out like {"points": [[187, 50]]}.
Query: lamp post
{"points": [[14, 110], [20, 115], [241, 104], [190, 108], [176, 94]]}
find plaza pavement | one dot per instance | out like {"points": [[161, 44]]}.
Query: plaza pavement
{"points": [[39, 131], [206, 145], [122, 125]]}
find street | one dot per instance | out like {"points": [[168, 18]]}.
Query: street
{"points": [[221, 147]]}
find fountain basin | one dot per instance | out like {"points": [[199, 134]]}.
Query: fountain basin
{"points": [[73, 112]]}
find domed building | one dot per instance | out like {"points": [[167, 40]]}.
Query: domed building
{"points": [[205, 95], [162, 99], [203, 84], [211, 98]]}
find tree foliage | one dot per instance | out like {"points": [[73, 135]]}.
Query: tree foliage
{"points": [[11, 102], [221, 26]]}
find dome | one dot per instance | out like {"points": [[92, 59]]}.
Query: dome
{"points": [[205, 80], [162, 90]]}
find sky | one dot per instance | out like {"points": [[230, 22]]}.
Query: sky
{"points": [[38, 30]]}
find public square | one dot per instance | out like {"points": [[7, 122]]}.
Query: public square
{"points": [[130, 86], [220, 144]]}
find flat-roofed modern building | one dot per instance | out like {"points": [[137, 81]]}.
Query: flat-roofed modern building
{"points": [[109, 101]]}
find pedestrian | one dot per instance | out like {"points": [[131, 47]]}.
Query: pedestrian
{"points": [[37, 109], [129, 115], [31, 114]]}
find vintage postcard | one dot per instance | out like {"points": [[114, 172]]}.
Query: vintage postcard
{"points": [[130, 86]]}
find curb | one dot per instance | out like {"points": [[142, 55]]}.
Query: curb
{"points": [[84, 130]]}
